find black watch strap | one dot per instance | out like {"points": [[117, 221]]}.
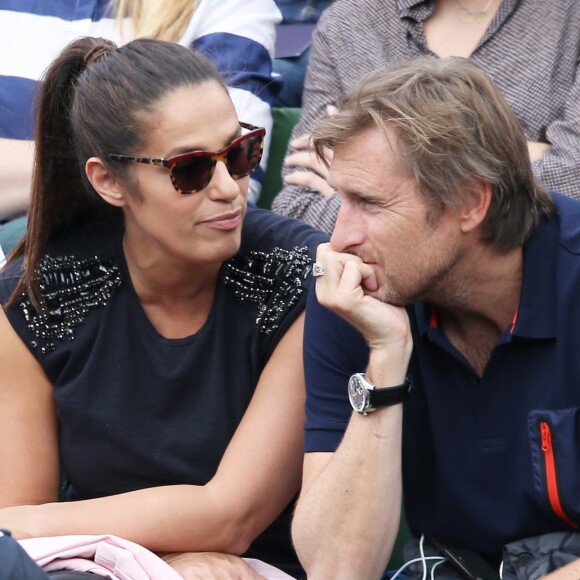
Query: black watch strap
{"points": [[383, 397]]}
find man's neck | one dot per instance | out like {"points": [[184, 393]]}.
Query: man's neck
{"points": [[480, 302]]}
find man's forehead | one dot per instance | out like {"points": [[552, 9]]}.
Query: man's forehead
{"points": [[369, 155]]}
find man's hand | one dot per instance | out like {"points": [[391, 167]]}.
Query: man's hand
{"points": [[345, 288], [317, 177], [210, 566]]}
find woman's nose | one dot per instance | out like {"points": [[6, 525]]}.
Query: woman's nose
{"points": [[222, 184]]}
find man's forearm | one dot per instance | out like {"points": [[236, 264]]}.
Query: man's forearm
{"points": [[347, 521]]}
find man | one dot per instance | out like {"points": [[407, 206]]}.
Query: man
{"points": [[447, 246]]}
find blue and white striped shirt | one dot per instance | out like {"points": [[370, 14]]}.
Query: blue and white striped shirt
{"points": [[237, 35]]}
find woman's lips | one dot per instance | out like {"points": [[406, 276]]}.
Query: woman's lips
{"points": [[225, 221]]}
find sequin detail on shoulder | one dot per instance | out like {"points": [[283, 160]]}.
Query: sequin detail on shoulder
{"points": [[70, 289], [272, 280]]}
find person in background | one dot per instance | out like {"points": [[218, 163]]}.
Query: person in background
{"points": [[529, 48], [297, 15], [151, 330], [237, 35], [48, 27], [442, 335]]}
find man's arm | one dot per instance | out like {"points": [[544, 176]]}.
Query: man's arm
{"points": [[15, 176], [347, 516]]}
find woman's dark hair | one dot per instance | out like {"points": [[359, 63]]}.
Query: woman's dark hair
{"points": [[94, 100]]}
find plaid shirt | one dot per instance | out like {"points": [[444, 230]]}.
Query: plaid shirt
{"points": [[531, 50]]}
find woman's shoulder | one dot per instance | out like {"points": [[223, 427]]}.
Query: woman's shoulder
{"points": [[273, 268], [76, 274], [264, 230]]}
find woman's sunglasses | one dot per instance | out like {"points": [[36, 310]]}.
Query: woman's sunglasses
{"points": [[191, 172]]}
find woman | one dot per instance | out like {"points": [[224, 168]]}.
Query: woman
{"points": [[151, 343]]}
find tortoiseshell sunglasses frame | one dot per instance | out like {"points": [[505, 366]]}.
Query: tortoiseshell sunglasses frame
{"points": [[171, 162]]}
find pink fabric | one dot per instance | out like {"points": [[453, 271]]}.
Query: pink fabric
{"points": [[267, 571], [114, 557], [105, 555]]}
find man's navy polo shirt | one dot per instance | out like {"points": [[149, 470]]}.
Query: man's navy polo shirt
{"points": [[485, 460]]}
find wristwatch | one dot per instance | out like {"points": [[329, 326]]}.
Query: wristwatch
{"points": [[366, 397]]}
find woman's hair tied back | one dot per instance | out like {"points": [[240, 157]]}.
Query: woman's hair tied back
{"points": [[100, 50]]}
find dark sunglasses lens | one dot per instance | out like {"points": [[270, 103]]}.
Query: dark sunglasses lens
{"points": [[193, 174], [243, 159], [238, 161]]}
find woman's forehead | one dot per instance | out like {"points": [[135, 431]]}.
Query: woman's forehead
{"points": [[193, 117]]}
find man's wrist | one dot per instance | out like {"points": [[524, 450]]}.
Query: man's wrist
{"points": [[388, 366]]}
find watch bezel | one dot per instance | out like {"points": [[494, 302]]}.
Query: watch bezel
{"points": [[360, 380]]}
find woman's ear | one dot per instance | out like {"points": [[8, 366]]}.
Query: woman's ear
{"points": [[104, 183]]}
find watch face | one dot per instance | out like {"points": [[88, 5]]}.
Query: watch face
{"points": [[357, 393]]}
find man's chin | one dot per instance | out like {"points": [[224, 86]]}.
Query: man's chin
{"points": [[387, 297]]}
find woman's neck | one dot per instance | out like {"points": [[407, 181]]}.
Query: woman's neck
{"points": [[456, 27], [176, 296]]}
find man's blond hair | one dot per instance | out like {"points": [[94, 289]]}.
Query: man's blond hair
{"points": [[454, 130]]}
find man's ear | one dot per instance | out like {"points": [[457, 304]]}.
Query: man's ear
{"points": [[475, 210], [104, 183]]}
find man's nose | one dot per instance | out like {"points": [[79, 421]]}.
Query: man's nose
{"points": [[348, 231]]}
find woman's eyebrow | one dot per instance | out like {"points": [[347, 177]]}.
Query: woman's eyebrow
{"points": [[181, 150]]}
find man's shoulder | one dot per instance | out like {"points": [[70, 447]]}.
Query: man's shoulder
{"points": [[568, 215]]}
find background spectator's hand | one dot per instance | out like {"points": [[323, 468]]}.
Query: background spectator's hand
{"points": [[317, 177], [210, 566], [537, 149]]}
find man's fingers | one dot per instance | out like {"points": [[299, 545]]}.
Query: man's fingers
{"points": [[336, 288]]}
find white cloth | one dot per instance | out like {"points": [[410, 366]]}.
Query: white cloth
{"points": [[2, 258]]}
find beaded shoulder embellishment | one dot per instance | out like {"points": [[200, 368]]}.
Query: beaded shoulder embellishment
{"points": [[70, 289], [272, 280]]}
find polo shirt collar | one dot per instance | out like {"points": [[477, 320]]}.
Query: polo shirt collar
{"points": [[537, 313]]}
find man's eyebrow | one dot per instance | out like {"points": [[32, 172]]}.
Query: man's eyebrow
{"points": [[362, 195]]}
